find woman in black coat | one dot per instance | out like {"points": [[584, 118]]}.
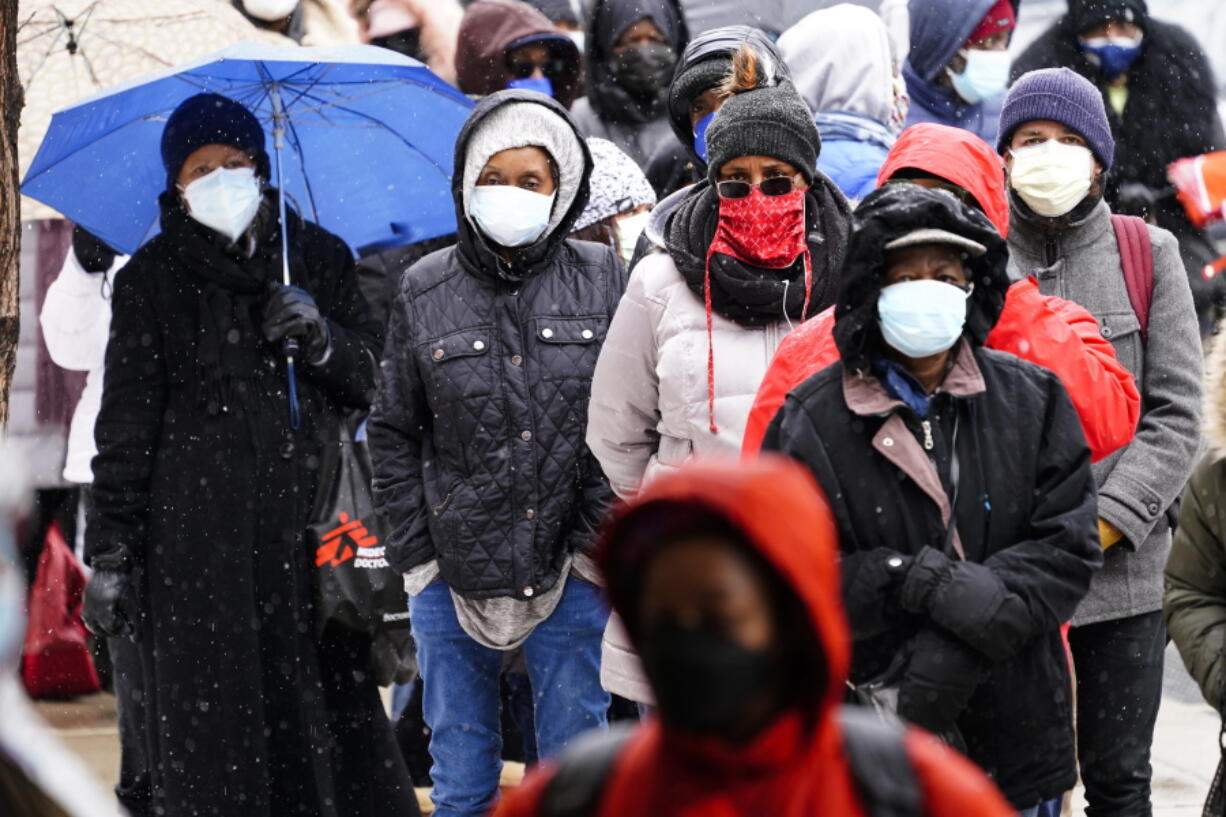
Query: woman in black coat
{"points": [[962, 610], [203, 488]]}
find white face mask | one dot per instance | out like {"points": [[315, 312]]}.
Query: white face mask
{"points": [[226, 200], [921, 318], [270, 11], [510, 216], [629, 228], [986, 74], [1053, 177]]}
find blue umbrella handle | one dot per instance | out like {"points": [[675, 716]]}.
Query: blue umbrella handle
{"points": [[289, 347]]}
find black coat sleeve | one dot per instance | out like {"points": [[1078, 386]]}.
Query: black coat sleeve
{"points": [[348, 375], [134, 389], [1034, 585], [400, 424]]}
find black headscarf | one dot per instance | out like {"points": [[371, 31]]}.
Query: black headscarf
{"points": [[609, 19]]}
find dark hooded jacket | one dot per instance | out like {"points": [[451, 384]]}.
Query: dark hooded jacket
{"points": [[939, 28], [491, 29], [608, 110], [706, 60], [477, 432], [1170, 83], [202, 486], [796, 766], [1025, 544]]}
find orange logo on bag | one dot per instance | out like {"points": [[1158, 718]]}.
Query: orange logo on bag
{"points": [[339, 545]]}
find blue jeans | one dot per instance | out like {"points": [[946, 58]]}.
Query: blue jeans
{"points": [[461, 696]]}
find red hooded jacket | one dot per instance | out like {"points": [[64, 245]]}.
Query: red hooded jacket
{"points": [[789, 770], [1059, 335]]}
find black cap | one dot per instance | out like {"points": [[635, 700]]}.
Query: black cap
{"points": [[210, 119]]}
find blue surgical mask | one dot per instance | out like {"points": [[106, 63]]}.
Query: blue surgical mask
{"points": [[922, 318], [700, 135], [986, 74], [1114, 55], [510, 216], [541, 85]]}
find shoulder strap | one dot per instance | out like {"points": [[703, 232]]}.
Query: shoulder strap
{"points": [[1137, 259], [880, 765], [583, 771]]}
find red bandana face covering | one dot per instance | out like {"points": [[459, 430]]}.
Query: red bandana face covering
{"points": [[763, 231]]}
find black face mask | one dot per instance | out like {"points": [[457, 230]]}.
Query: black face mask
{"points": [[702, 680], [644, 70], [407, 42]]}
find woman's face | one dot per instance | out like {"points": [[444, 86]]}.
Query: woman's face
{"points": [[203, 161], [926, 262], [528, 168], [757, 169]]}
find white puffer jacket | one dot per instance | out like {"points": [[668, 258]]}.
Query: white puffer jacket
{"points": [[649, 409]]}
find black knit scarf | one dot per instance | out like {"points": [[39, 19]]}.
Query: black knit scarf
{"points": [[752, 296]]}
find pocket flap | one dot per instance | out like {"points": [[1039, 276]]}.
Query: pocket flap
{"points": [[1115, 325], [465, 343], [570, 330]]}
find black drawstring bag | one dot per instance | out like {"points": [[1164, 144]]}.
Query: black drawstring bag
{"points": [[355, 588]]}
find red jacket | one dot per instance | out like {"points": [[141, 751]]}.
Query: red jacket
{"points": [[1056, 334], [790, 770]]}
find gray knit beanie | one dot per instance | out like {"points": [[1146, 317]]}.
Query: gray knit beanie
{"points": [[769, 120], [1059, 95]]}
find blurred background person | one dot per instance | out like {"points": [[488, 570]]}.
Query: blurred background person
{"points": [[1161, 99], [620, 203], [728, 580], [743, 264], [631, 50], [307, 22], [957, 69], [693, 99], [509, 44], [841, 63], [426, 30]]}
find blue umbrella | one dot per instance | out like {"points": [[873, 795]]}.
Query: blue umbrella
{"points": [[362, 141]]}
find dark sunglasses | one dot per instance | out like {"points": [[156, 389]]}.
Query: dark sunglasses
{"points": [[522, 69], [778, 186]]}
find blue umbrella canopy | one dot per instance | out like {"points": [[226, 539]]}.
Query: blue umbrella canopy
{"points": [[366, 138]]}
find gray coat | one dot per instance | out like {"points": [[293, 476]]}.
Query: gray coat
{"points": [[638, 140], [1137, 484]]}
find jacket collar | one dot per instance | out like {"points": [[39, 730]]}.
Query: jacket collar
{"points": [[866, 395], [1030, 232]]}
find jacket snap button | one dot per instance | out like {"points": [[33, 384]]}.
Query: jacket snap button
{"points": [[887, 442], [1107, 332], [528, 591], [478, 345], [547, 333], [588, 334], [287, 450], [516, 360], [438, 354], [530, 513], [526, 436], [1152, 508]]}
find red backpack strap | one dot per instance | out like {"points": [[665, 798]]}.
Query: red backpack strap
{"points": [[1137, 260]]}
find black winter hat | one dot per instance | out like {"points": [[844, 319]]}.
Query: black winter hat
{"points": [[208, 119], [1085, 14], [762, 117]]}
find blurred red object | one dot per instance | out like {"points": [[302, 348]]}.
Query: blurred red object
{"points": [[55, 660], [1200, 183]]}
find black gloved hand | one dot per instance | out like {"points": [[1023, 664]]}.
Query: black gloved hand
{"points": [[112, 606], [92, 253], [940, 678], [290, 312]]}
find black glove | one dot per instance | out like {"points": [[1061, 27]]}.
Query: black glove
{"points": [[92, 253], [940, 678], [111, 607], [924, 575], [290, 312]]}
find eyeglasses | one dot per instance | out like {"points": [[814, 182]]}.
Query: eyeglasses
{"points": [[778, 186], [552, 67]]}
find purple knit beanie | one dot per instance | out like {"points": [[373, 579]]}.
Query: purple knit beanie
{"points": [[1060, 95]]}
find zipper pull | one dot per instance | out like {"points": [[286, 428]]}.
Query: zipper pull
{"points": [[927, 426]]}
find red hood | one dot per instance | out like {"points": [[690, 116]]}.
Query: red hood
{"points": [[958, 156], [783, 514]]}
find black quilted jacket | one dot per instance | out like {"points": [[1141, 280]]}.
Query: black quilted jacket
{"points": [[477, 434]]}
